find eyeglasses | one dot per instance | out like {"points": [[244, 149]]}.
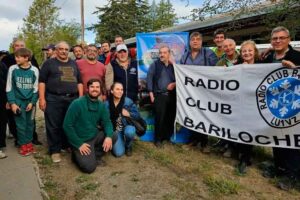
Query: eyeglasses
{"points": [[274, 39]]}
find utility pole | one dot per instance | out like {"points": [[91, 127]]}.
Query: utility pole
{"points": [[82, 20]]}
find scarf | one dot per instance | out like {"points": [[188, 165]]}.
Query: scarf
{"points": [[115, 111]]}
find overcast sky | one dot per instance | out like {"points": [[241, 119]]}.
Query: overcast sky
{"points": [[12, 13]]}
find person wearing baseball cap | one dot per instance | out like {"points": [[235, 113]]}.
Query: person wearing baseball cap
{"points": [[123, 70], [50, 51]]}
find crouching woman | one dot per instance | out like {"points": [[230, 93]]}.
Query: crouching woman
{"points": [[121, 107]]}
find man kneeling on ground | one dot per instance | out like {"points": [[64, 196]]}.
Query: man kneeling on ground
{"points": [[81, 125]]}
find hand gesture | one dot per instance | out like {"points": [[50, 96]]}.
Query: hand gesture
{"points": [[288, 64], [171, 86], [107, 144], [85, 149], [125, 113], [14, 108], [151, 97], [29, 107], [42, 104]]}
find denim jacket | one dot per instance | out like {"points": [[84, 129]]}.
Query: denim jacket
{"points": [[130, 107]]}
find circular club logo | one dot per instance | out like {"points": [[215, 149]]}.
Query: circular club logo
{"points": [[278, 98]]}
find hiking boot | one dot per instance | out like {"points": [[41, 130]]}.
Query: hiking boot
{"points": [[227, 153], [205, 149], [242, 167], [24, 150], [31, 148], [158, 144], [2, 155], [56, 157], [286, 183], [128, 151]]}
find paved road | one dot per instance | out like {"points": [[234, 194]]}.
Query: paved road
{"points": [[18, 179]]}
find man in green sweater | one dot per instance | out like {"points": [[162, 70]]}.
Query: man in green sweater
{"points": [[81, 125]]}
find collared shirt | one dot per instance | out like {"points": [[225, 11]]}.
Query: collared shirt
{"points": [[159, 77], [205, 57]]}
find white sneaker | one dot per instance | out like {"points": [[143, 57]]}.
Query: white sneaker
{"points": [[56, 157], [2, 155]]}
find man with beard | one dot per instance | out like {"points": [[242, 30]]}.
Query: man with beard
{"points": [[82, 119], [90, 68], [78, 52], [59, 84], [105, 58]]}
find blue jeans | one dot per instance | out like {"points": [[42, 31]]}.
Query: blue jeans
{"points": [[124, 140]]}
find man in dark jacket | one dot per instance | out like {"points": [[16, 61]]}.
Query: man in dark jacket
{"points": [[10, 60], [161, 86], [3, 113], [123, 70], [287, 161]]}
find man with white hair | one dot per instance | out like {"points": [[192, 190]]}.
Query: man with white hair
{"points": [[230, 56], [59, 84]]}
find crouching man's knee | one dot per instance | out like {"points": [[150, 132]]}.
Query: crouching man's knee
{"points": [[88, 168]]}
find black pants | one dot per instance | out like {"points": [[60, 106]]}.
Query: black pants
{"points": [[3, 122], [165, 112], [55, 112], [12, 124], [196, 138], [287, 161], [88, 163], [245, 151]]}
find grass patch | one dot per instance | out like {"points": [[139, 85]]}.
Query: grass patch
{"points": [[45, 161], [90, 186], [219, 186], [160, 157], [50, 185], [82, 178], [169, 197]]}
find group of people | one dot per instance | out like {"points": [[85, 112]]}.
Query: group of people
{"points": [[86, 99], [84, 104], [161, 85]]}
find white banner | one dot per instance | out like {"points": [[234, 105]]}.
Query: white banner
{"points": [[253, 104]]}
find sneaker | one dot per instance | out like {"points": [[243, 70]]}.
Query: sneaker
{"points": [[227, 153], [128, 151], [24, 150], [2, 155], [31, 148], [56, 157]]}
